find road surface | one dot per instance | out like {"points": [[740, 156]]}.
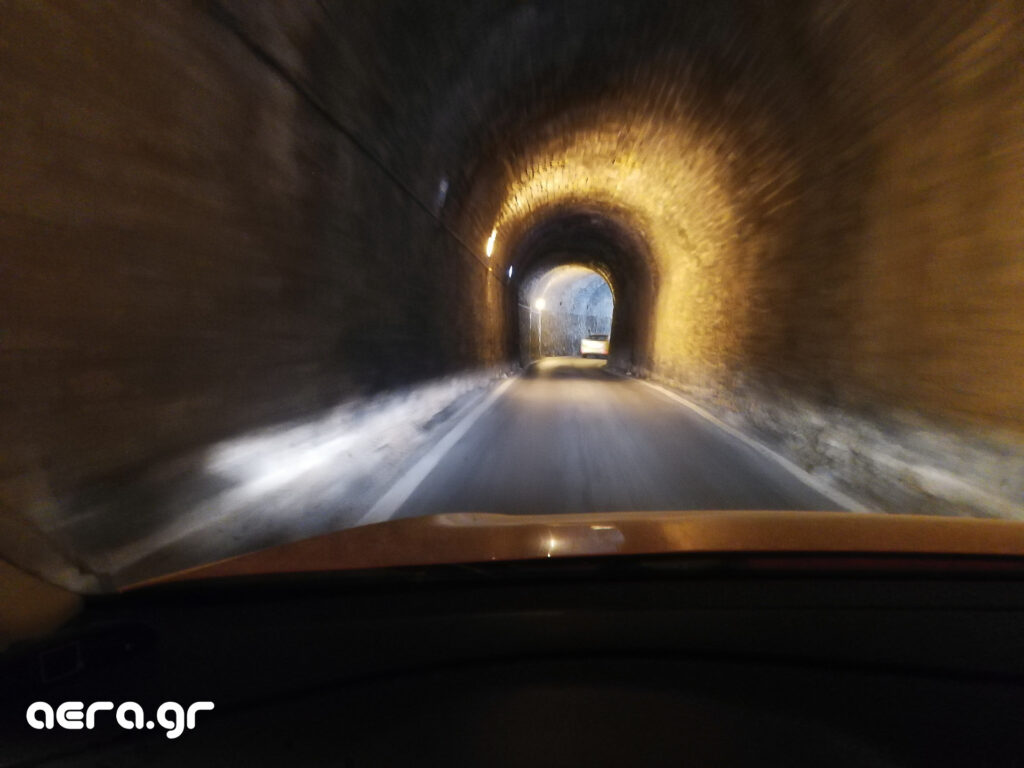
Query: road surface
{"points": [[570, 437]]}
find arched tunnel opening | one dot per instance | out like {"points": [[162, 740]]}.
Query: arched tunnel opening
{"points": [[262, 254], [592, 274], [559, 308]]}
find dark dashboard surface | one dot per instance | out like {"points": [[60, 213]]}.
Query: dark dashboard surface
{"points": [[598, 661]]}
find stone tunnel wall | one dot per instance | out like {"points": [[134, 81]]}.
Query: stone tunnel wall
{"points": [[882, 332], [197, 240]]}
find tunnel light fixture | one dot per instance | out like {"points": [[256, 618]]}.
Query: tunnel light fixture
{"points": [[490, 242], [510, 272], [539, 304], [442, 195]]}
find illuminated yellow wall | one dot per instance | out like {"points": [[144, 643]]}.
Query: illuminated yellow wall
{"points": [[674, 186]]}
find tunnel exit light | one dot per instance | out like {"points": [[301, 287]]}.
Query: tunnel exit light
{"points": [[539, 304], [490, 242]]}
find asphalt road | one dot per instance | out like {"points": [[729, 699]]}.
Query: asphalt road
{"points": [[569, 437]]}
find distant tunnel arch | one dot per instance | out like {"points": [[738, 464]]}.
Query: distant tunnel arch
{"points": [[561, 306], [588, 238]]}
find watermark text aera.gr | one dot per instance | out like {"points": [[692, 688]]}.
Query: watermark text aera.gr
{"points": [[75, 715]]}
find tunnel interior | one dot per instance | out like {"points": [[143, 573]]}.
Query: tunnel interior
{"points": [[583, 263], [228, 216], [561, 306]]}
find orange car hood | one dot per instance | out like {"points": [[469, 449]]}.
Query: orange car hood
{"points": [[476, 537]]}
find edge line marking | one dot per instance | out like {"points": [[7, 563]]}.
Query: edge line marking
{"points": [[393, 499], [848, 503]]}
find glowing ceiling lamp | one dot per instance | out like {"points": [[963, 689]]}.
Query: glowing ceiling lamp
{"points": [[490, 242]]}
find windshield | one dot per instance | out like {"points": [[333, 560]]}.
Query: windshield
{"points": [[267, 276]]}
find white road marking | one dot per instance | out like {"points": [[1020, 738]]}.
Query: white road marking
{"points": [[393, 499], [846, 502]]}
